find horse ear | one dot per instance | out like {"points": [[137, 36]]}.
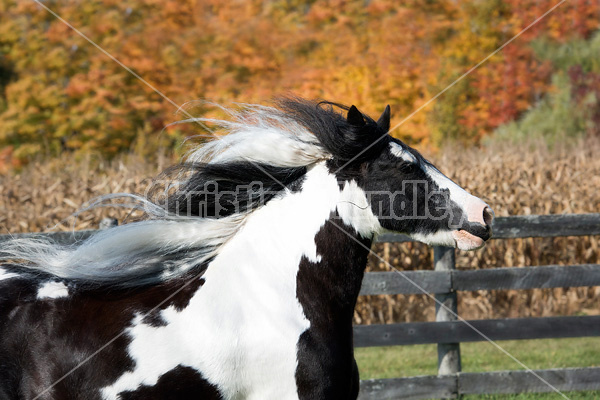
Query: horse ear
{"points": [[384, 121], [355, 117]]}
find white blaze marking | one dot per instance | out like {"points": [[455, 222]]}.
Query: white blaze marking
{"points": [[241, 329], [457, 194], [464, 200], [52, 290]]}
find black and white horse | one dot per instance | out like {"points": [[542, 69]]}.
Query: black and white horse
{"points": [[242, 282]]}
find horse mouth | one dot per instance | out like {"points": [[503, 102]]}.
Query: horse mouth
{"points": [[468, 241]]}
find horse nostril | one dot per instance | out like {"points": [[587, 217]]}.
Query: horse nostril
{"points": [[488, 216]]}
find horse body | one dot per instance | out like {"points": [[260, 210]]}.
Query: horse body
{"points": [[248, 311], [265, 314], [264, 306]]}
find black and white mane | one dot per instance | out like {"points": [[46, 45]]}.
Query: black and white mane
{"points": [[242, 281], [266, 152]]}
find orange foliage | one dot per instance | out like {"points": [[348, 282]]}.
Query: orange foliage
{"points": [[59, 93]]}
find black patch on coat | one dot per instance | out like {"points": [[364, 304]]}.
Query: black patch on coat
{"points": [[42, 340], [180, 383], [327, 291], [179, 300]]}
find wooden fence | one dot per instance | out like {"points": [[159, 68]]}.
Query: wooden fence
{"points": [[447, 332]]}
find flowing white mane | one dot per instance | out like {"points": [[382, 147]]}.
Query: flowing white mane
{"points": [[261, 134], [169, 244]]}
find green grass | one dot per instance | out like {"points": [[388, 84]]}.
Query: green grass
{"points": [[399, 361], [538, 396]]}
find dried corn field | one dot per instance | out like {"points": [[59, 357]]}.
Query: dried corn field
{"points": [[513, 180]]}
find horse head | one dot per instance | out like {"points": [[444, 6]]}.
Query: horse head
{"points": [[406, 192]]}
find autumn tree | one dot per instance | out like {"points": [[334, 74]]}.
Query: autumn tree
{"points": [[59, 93]]}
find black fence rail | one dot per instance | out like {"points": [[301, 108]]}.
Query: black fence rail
{"points": [[448, 332]]}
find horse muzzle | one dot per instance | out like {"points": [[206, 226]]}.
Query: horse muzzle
{"points": [[478, 229]]}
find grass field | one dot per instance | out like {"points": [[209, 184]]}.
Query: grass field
{"points": [[398, 361]]}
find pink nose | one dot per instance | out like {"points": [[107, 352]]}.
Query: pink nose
{"points": [[479, 211]]}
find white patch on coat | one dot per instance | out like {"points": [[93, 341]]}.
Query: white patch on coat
{"points": [[402, 153], [4, 274], [355, 211], [241, 329], [52, 290]]}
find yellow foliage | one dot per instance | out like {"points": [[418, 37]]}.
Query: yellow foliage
{"points": [[56, 85]]}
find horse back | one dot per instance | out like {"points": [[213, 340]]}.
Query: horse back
{"points": [[73, 339], [46, 330]]}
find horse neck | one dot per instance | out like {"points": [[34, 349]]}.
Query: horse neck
{"points": [[309, 246], [328, 289]]}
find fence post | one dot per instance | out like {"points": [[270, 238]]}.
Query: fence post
{"points": [[448, 353]]}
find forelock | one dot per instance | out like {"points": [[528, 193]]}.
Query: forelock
{"points": [[341, 139]]}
